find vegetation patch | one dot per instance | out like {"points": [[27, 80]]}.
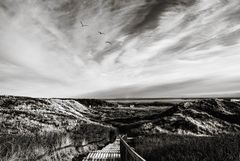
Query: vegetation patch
{"points": [[188, 148]]}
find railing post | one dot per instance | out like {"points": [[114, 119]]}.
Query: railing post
{"points": [[122, 151]]}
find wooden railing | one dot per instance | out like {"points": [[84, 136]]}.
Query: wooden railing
{"points": [[127, 152]]}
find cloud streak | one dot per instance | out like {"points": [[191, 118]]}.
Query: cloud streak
{"points": [[189, 46]]}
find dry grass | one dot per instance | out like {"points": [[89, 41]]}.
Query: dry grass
{"points": [[54, 146], [189, 148], [34, 147]]}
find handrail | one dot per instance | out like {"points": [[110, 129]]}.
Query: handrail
{"points": [[127, 152]]}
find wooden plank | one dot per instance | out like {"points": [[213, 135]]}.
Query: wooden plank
{"points": [[113, 152], [103, 155]]}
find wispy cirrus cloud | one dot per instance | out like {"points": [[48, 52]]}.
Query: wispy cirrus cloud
{"points": [[174, 48]]}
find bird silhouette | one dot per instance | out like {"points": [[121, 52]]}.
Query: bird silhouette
{"points": [[101, 33], [83, 24], [108, 42]]}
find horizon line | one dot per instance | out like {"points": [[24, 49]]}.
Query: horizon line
{"points": [[129, 98]]}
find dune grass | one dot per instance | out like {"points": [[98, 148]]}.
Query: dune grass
{"points": [[34, 147], [54, 145], [189, 148]]}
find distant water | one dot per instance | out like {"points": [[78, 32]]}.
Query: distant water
{"points": [[145, 100]]}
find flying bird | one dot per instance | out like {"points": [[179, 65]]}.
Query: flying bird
{"points": [[108, 42], [101, 33], [83, 24]]}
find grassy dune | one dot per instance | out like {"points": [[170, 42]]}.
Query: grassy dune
{"points": [[48, 130], [189, 148]]}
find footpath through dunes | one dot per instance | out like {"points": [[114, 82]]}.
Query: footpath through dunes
{"points": [[117, 151], [38, 126], [109, 153]]}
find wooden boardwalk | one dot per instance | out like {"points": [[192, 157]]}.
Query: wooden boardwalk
{"points": [[117, 151], [109, 153]]}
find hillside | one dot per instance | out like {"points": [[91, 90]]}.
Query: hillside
{"points": [[48, 129], [192, 117], [200, 117]]}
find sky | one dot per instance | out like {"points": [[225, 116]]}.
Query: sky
{"points": [[120, 49]]}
